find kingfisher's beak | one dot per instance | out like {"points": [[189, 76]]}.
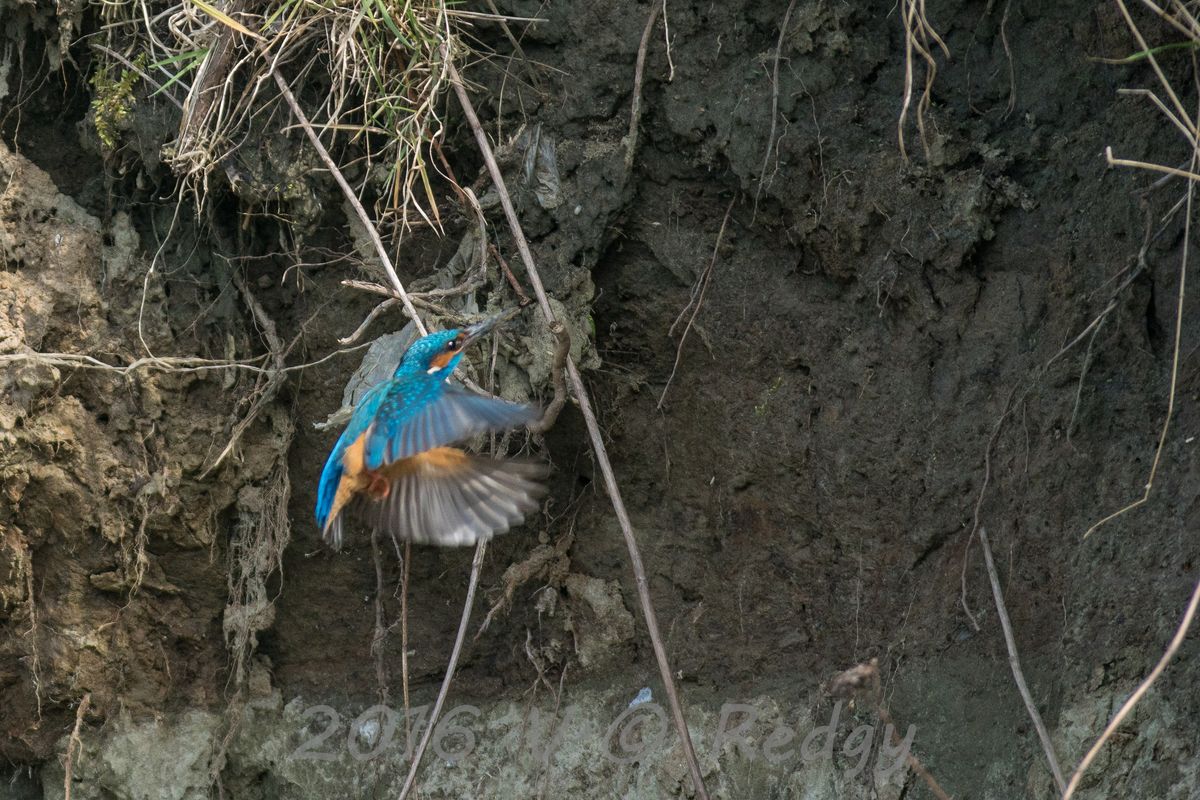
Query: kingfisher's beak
{"points": [[488, 325]]}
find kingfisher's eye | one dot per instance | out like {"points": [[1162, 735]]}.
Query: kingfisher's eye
{"points": [[452, 345]]}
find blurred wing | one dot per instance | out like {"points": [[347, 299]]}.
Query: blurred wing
{"points": [[332, 532], [452, 417], [450, 498]]}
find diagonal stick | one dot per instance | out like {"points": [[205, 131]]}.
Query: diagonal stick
{"points": [[481, 547], [1014, 661], [1180, 633], [593, 428], [463, 622]]}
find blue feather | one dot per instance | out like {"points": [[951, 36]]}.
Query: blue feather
{"points": [[418, 356], [419, 415]]}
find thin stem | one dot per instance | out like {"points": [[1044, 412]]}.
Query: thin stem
{"points": [[1180, 633], [635, 109], [1014, 661], [464, 621], [597, 440]]}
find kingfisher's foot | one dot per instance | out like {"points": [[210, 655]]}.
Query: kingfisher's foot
{"points": [[379, 488]]}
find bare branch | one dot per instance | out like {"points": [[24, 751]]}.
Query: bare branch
{"points": [[464, 621], [635, 109], [353, 200]]}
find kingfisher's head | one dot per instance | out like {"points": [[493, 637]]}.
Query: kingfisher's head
{"points": [[439, 353]]}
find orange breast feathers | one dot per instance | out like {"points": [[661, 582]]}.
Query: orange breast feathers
{"points": [[356, 478]]}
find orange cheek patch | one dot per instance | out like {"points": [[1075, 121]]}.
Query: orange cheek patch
{"points": [[442, 359]]}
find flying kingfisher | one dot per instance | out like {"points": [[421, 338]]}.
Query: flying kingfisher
{"points": [[393, 464]]}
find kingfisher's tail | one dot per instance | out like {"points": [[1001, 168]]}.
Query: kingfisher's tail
{"points": [[448, 497], [329, 518]]}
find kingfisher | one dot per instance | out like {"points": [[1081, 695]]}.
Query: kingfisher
{"points": [[394, 464]]}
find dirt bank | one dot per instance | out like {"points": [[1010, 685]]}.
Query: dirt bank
{"points": [[876, 362]]}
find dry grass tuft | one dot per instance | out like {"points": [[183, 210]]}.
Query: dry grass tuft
{"points": [[379, 68]]}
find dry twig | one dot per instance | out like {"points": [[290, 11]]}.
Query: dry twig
{"points": [[464, 621], [562, 351], [1125, 162], [1014, 661], [523, 59], [353, 200], [379, 639], [508, 275], [1181, 632], [695, 302], [762, 175], [481, 547], [667, 42], [987, 477], [1192, 133], [1012, 73], [404, 574], [635, 110], [366, 323]]}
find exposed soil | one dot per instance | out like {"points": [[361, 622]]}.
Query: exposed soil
{"points": [[878, 360]]}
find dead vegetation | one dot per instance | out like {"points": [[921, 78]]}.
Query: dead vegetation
{"points": [[1182, 17], [385, 124], [920, 41], [255, 560], [862, 682], [381, 63]]}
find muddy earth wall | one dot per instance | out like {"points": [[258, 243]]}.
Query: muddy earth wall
{"points": [[879, 354]]}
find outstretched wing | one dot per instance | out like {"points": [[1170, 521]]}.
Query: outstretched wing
{"points": [[406, 425], [448, 497]]}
